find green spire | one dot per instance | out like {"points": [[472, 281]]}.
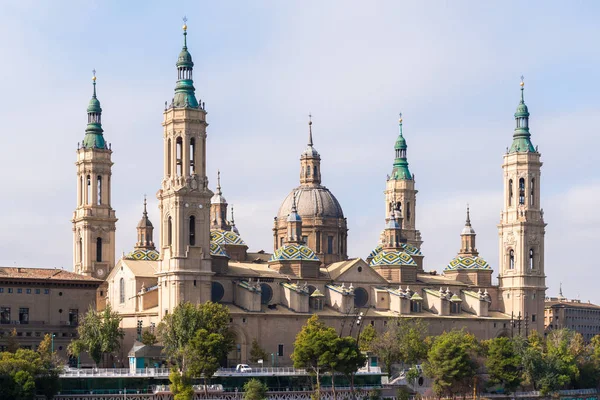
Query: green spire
{"points": [[184, 90], [93, 138], [522, 137], [401, 171]]}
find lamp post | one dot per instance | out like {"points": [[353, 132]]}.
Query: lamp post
{"points": [[52, 341]]}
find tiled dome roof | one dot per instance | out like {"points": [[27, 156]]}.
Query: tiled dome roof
{"points": [[392, 257], [143, 254], [469, 263], [294, 252], [221, 237], [217, 251], [406, 248]]}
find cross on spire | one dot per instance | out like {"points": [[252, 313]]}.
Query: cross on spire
{"points": [[310, 139]]}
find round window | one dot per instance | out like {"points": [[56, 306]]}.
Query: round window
{"points": [[266, 293], [361, 297], [217, 292]]}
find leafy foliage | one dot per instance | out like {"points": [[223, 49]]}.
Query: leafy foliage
{"points": [[503, 363], [181, 385], [367, 336], [149, 338], [257, 352], [255, 390]]}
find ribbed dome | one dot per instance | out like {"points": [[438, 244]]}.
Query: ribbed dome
{"points": [[185, 58], [218, 199], [310, 152], [94, 106], [316, 201], [144, 222]]}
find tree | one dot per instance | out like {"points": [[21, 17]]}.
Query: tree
{"points": [[255, 390], [206, 350], [26, 372], [366, 338], [451, 362], [181, 385], [313, 349], [12, 345], [385, 346], [47, 380], [257, 352], [148, 338], [347, 359], [503, 363], [99, 333]]}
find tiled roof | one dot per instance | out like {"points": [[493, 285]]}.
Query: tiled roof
{"points": [[51, 274]]}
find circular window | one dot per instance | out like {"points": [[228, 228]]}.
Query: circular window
{"points": [[421, 381], [60, 310], [217, 292], [60, 347], [361, 297], [359, 269], [60, 293], [266, 293]]}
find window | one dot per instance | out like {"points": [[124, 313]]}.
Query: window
{"points": [[23, 315], [510, 192], [178, 155], [192, 231], [511, 259], [46, 291], [304, 239], [318, 244], [99, 188], [99, 249], [415, 306], [281, 241], [88, 195], [308, 171], [531, 259], [532, 317], [280, 350], [80, 250], [169, 231], [522, 191], [266, 293], [315, 173], [19, 290], [73, 316], [361, 297], [455, 308], [122, 291], [10, 290], [192, 156], [1, 290], [329, 244], [28, 291], [532, 192], [408, 211], [4, 315], [169, 158]]}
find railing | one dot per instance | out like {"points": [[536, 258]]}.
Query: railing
{"points": [[261, 371], [197, 388]]}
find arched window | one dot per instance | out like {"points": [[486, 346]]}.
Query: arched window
{"points": [[510, 192], [88, 192], [217, 292], [192, 231], [522, 191], [511, 259], [532, 192], [170, 231], [122, 291], [531, 259], [81, 191], [99, 249], [308, 170], [318, 242], [266, 293], [169, 157], [361, 297], [315, 173], [178, 156], [80, 249], [192, 156], [408, 211], [99, 188]]}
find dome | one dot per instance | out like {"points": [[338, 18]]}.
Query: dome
{"points": [[310, 152], [185, 58], [94, 106], [468, 263], [144, 222], [400, 143], [522, 110], [143, 255], [222, 237], [392, 257], [468, 230], [407, 248], [294, 252], [218, 198], [311, 202], [217, 251]]}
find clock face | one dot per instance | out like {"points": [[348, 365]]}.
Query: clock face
{"points": [[100, 272]]}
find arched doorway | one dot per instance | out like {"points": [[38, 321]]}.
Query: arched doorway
{"points": [[239, 354]]}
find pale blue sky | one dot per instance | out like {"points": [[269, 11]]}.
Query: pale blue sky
{"points": [[452, 68]]}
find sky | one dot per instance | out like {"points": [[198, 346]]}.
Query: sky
{"points": [[451, 67]]}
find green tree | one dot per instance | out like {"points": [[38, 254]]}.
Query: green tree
{"points": [[12, 345], [386, 349], [100, 334], [347, 359], [181, 385], [206, 350], [314, 348], [47, 379], [367, 336], [148, 338], [503, 363], [257, 352], [24, 372], [451, 362], [255, 390]]}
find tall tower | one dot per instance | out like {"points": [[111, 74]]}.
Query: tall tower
{"points": [[94, 219], [400, 192], [521, 230], [184, 272]]}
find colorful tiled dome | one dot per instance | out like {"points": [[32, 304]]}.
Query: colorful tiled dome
{"points": [[143, 255], [222, 237], [467, 262], [392, 257], [406, 248], [217, 251], [294, 252]]}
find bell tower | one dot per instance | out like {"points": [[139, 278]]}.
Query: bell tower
{"points": [[400, 192], [184, 272], [94, 218], [522, 228]]}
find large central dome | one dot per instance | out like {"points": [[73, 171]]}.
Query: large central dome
{"points": [[311, 201]]}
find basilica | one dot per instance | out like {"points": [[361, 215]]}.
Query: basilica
{"points": [[199, 254]]}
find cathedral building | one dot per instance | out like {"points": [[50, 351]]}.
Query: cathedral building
{"points": [[200, 255]]}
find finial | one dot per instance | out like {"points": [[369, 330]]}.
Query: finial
{"points": [[468, 216], [400, 123], [184, 23], [560, 290], [232, 218], [522, 88], [185, 32], [94, 81], [310, 140], [522, 81], [145, 211], [294, 203]]}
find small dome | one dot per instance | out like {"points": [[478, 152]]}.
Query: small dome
{"points": [[392, 257], [144, 222], [310, 152], [311, 202], [407, 248], [468, 263], [94, 105], [222, 237], [185, 58], [294, 217], [468, 230], [143, 255], [217, 251], [400, 143], [522, 110], [218, 198], [294, 252]]}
